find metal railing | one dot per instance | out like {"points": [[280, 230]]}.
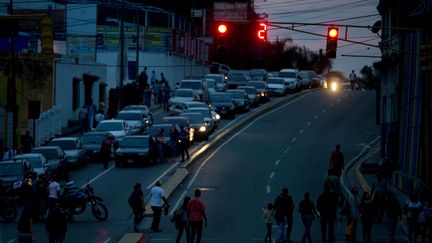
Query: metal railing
{"points": [[47, 126]]}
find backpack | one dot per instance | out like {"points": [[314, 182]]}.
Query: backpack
{"points": [[134, 200]]}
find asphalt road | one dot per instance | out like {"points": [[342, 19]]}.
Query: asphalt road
{"points": [[288, 147]]}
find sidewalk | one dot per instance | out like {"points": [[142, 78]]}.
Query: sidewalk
{"points": [[363, 179]]}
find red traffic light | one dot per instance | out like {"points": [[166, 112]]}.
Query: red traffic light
{"points": [[333, 32], [262, 31], [222, 29]]}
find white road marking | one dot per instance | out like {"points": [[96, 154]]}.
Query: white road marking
{"points": [[268, 189], [98, 176], [316, 117], [294, 139], [301, 131], [107, 240], [308, 124], [161, 176], [231, 138], [277, 162], [323, 111], [331, 105], [272, 174]]}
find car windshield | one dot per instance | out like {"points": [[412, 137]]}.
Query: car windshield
{"points": [[48, 153], [257, 85], [287, 74], [275, 81], [35, 162], [190, 85], [109, 126], [134, 142], [220, 98], [236, 94], [249, 90], [237, 78], [10, 169], [136, 108], [194, 118], [217, 78], [129, 116], [154, 129], [204, 113], [183, 93], [64, 144], [93, 138]]}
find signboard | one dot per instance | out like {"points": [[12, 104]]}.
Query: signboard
{"points": [[230, 11], [81, 47], [108, 37]]}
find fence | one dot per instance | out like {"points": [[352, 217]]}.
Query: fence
{"points": [[47, 126]]}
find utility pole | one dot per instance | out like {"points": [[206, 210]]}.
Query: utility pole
{"points": [[120, 102], [137, 46]]}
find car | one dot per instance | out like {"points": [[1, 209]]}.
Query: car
{"points": [[195, 84], [277, 86], [309, 79], [54, 155], [180, 121], [219, 68], [219, 80], [92, 142], [290, 77], [143, 108], [237, 78], [273, 74], [14, 172], [183, 95], [252, 93], [166, 135], [323, 82], [73, 149], [136, 149], [198, 123], [208, 116], [223, 104], [262, 88], [240, 99], [258, 74], [137, 121], [38, 162], [215, 115], [118, 128]]}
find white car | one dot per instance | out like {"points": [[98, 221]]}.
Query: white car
{"points": [[183, 95], [137, 121], [38, 162], [219, 81], [208, 116], [118, 128], [194, 84], [73, 149], [290, 77], [276, 86]]}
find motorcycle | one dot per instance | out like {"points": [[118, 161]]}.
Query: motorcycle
{"points": [[77, 203], [8, 209]]}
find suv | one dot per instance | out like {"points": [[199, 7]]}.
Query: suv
{"points": [[290, 77], [14, 172]]}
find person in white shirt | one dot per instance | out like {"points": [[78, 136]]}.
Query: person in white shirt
{"points": [[54, 193], [157, 194]]}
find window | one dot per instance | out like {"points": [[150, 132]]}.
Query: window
{"points": [[75, 93]]}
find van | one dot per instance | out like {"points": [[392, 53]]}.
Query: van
{"points": [[290, 77], [195, 84]]}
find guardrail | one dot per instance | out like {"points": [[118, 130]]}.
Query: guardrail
{"points": [[47, 126]]}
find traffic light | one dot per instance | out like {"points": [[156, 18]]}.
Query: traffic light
{"points": [[262, 31], [222, 29], [46, 35], [332, 38]]}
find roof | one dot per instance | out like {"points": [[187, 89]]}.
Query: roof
{"points": [[46, 147], [112, 121], [65, 139], [29, 155]]}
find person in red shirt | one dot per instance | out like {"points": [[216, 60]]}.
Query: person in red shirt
{"points": [[337, 162], [197, 216]]}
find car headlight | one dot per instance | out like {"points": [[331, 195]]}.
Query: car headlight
{"points": [[202, 129], [217, 116], [147, 121]]}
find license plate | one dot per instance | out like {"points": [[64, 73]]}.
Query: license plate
{"points": [[223, 112]]}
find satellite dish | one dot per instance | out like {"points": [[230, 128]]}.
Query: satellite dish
{"points": [[376, 27]]}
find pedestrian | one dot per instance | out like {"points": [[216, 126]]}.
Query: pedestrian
{"points": [[284, 207], [352, 78], [268, 214], [162, 77], [136, 202], [184, 143], [105, 150], [91, 109], [153, 78], [197, 216], [393, 214], [352, 214], [155, 91], [332, 182], [337, 161], [160, 145], [53, 192], [147, 96], [174, 138], [327, 207], [25, 226], [83, 118], [56, 224], [308, 213], [425, 220], [100, 115], [27, 143], [412, 210], [166, 95], [379, 190], [157, 194], [180, 220], [367, 210]]}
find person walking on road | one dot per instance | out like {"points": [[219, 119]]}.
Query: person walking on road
{"points": [[180, 219], [174, 138], [157, 195], [160, 145], [352, 78], [166, 95], [352, 204], [379, 190], [268, 214], [332, 182], [184, 143], [91, 109], [284, 207], [136, 202], [25, 226], [308, 213], [337, 162], [327, 207], [367, 212], [105, 151], [393, 214], [197, 216], [56, 224], [53, 192]]}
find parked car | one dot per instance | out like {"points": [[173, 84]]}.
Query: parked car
{"points": [[223, 104], [38, 162], [14, 172], [240, 99], [277, 86], [208, 116], [118, 128], [180, 121], [135, 149], [195, 84], [258, 74], [143, 108], [237, 78], [290, 77], [219, 80], [252, 93], [197, 122], [262, 88], [92, 142], [137, 121], [73, 149], [54, 155]]}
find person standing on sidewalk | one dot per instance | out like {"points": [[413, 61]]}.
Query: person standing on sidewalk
{"points": [[393, 214], [327, 207], [308, 213], [157, 194], [197, 216], [412, 210], [284, 207], [367, 212], [184, 143], [337, 162]]}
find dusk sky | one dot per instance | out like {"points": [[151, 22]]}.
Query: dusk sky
{"points": [[351, 12]]}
